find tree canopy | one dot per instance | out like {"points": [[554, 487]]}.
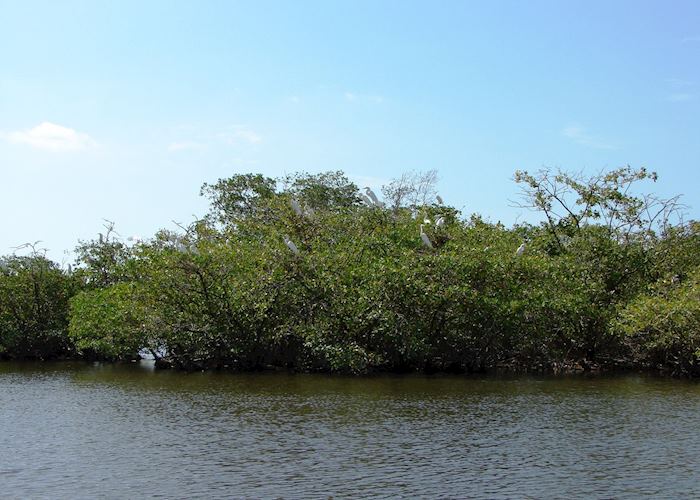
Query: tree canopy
{"points": [[608, 278]]}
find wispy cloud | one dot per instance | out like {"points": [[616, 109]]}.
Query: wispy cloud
{"points": [[581, 136], [242, 161], [367, 180], [680, 97], [354, 97], [680, 90], [186, 146], [51, 137], [241, 135], [691, 39], [679, 83]]}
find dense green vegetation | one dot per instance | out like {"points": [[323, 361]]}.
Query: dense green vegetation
{"points": [[609, 278]]}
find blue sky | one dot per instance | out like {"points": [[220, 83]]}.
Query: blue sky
{"points": [[121, 110]]}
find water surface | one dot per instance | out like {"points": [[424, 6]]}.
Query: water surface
{"points": [[85, 431]]}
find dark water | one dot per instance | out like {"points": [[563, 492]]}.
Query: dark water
{"points": [[83, 431]]}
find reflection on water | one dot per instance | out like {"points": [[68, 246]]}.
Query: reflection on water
{"points": [[76, 430]]}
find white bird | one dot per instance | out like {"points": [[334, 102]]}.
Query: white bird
{"points": [[424, 237], [290, 244], [520, 250], [439, 222], [295, 206], [366, 199], [373, 197], [426, 221], [69, 269], [439, 199], [134, 238]]}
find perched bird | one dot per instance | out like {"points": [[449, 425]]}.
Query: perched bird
{"points": [[290, 244], [135, 239], [366, 199], [424, 237], [439, 199], [295, 206], [439, 222], [373, 197], [520, 250], [426, 221]]}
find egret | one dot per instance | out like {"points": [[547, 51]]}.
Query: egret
{"points": [[134, 238], [439, 199], [295, 206], [366, 199], [290, 244], [439, 222], [424, 237], [520, 250], [373, 197]]}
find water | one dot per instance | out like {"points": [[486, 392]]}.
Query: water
{"points": [[86, 431]]}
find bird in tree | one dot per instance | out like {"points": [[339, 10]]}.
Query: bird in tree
{"points": [[439, 222], [373, 197], [520, 250], [439, 199], [295, 206], [424, 237], [290, 244], [366, 199]]}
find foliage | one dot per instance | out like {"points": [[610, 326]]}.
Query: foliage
{"points": [[109, 323], [34, 294], [362, 293], [663, 326]]}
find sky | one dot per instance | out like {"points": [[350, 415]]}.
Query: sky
{"points": [[122, 110]]}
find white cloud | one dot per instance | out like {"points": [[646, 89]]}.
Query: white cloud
{"points": [[294, 99], [680, 90], [352, 96], [186, 145], [248, 136], [367, 180], [52, 137], [680, 97], [241, 134], [679, 83], [580, 136]]}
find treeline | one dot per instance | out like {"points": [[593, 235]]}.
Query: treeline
{"points": [[310, 273]]}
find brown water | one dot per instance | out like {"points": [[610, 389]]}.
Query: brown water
{"points": [[86, 431]]}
